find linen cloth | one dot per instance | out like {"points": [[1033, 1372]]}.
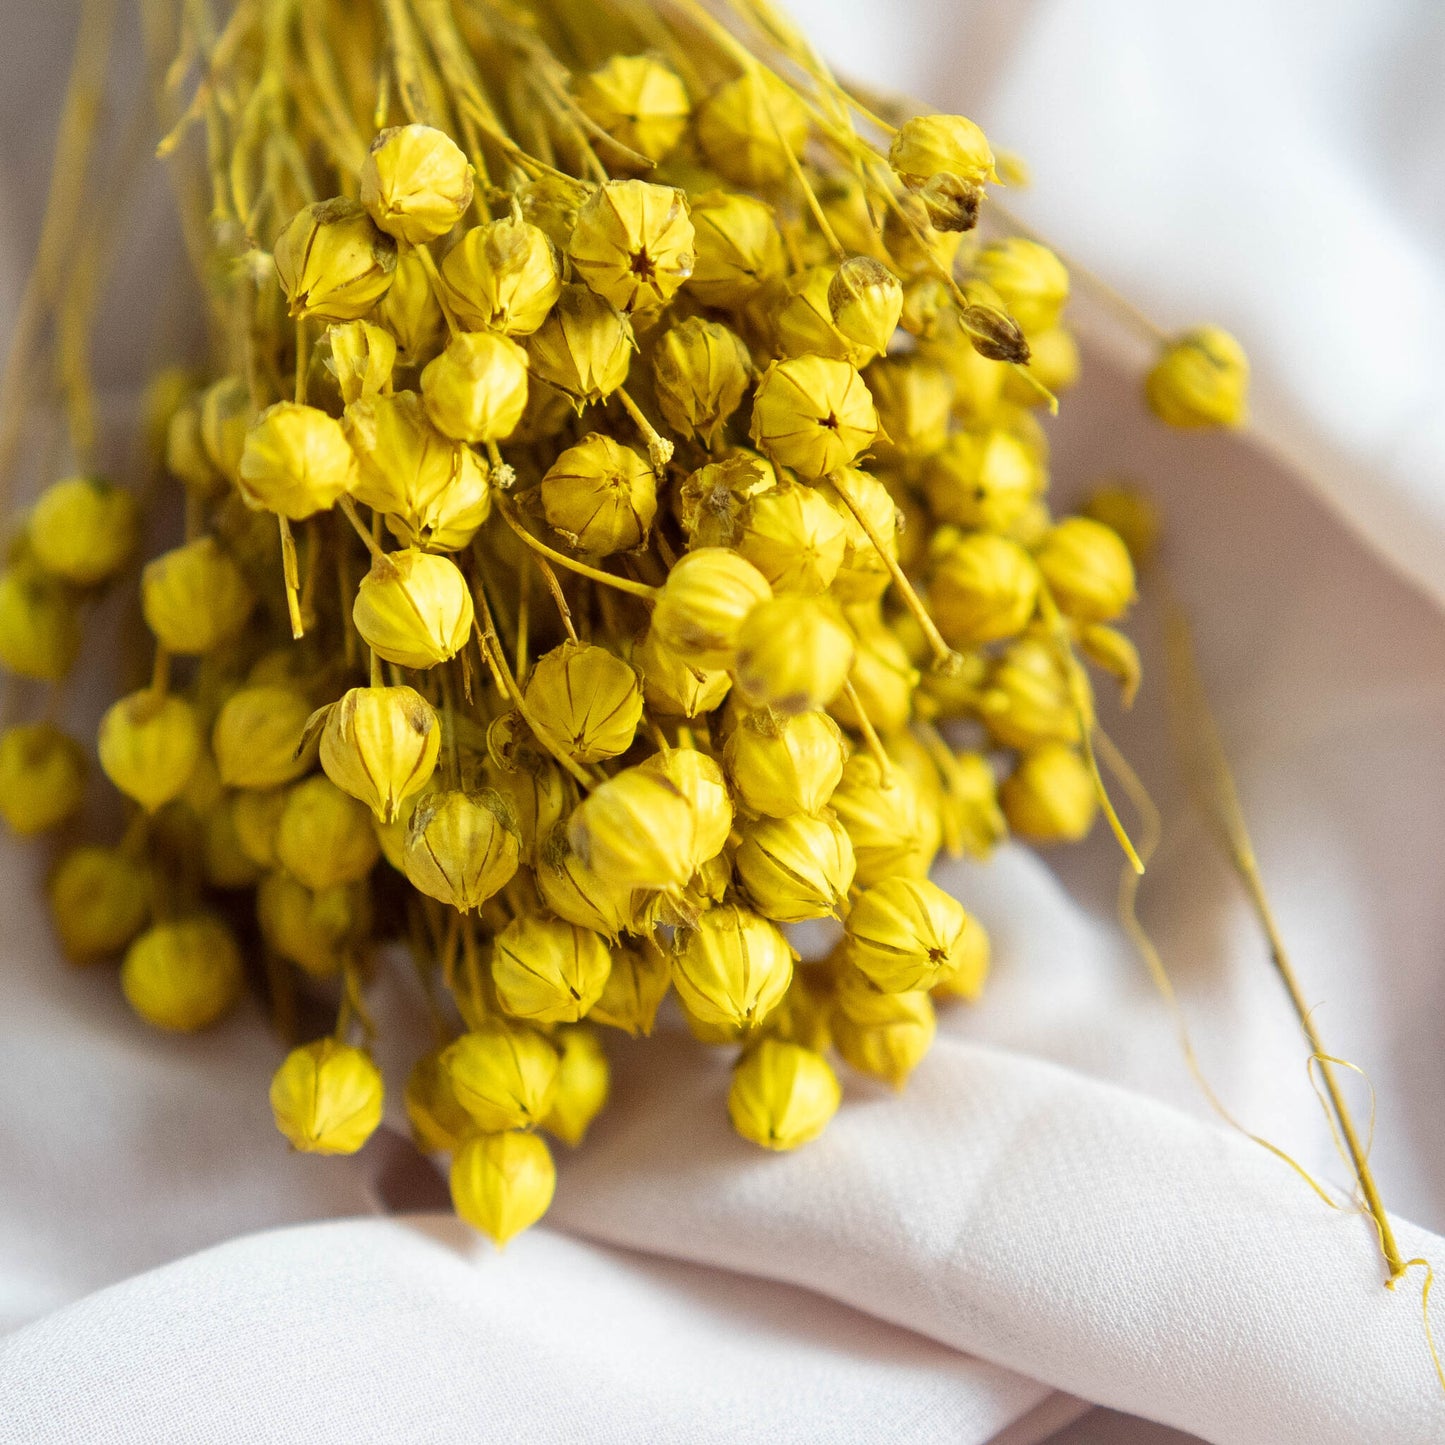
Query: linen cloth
{"points": [[1049, 1215]]}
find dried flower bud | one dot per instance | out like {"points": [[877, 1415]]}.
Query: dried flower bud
{"points": [[39, 625], [672, 685], [380, 744], [503, 1074], [361, 357], [323, 837], [195, 597], [297, 461], [749, 127], [985, 588], [802, 319], [1031, 281], [883, 1035], [993, 333], [813, 414], [633, 243], [914, 397], [99, 901], [793, 654], [585, 700], [1028, 698], [149, 747], [794, 537], [583, 1082], [929, 145], [327, 1098], [547, 970], [83, 529], [455, 515], [738, 248], [781, 766], [314, 930], [584, 348], [951, 203], [502, 1184], [580, 894], [985, 479], [414, 609], [1200, 380], [704, 603], [258, 735], [503, 277], [782, 1095], [601, 496], [711, 500], [701, 371], [333, 262], [438, 1123], [634, 991], [637, 829], [732, 968], [1088, 569], [796, 867], [550, 203], [700, 780], [182, 975], [865, 300], [476, 390], [255, 819], [461, 848], [890, 823], [1049, 797], [405, 465], [42, 777], [416, 183], [1124, 509], [905, 934], [638, 101], [410, 310]]}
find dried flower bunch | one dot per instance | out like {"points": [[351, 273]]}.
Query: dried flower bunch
{"points": [[615, 531]]}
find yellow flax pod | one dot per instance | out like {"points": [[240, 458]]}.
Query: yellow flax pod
{"points": [[547, 970], [380, 744], [782, 1094], [327, 1098], [732, 968]]}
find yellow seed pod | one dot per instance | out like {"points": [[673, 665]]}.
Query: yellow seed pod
{"points": [[577, 893], [182, 975], [633, 243], [226, 417], [83, 529], [813, 414], [39, 625], [672, 685], [1124, 509], [732, 967], [461, 848], [930, 145], [503, 277], [701, 371], [410, 311], [785, 765], [883, 1035], [1088, 569], [362, 357], [503, 1074], [969, 972], [893, 828], [255, 819], [883, 678], [455, 515], [638, 101], [333, 262], [1030, 280], [915, 246], [985, 588], [404, 464], [985, 479], [584, 1079], [704, 603], [702, 782], [313, 930], [1053, 362], [416, 183], [906, 934], [795, 537], [1112, 651], [149, 747], [1049, 797], [711, 500], [1200, 380], [476, 390], [914, 397], [380, 744], [748, 127], [195, 597], [297, 461], [99, 900], [584, 700], [323, 837], [865, 300], [42, 777], [257, 737], [796, 867], [1028, 699], [601, 496], [738, 248], [972, 821], [413, 608], [502, 1184], [793, 654], [326, 1097], [863, 574], [802, 319], [634, 991], [438, 1123], [186, 457], [548, 970], [782, 1094], [637, 829], [584, 348]]}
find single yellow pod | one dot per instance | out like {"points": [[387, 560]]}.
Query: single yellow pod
{"points": [[414, 609], [380, 744], [584, 347], [83, 529], [584, 1079], [1050, 797], [584, 700], [797, 867], [362, 358], [640, 102], [882, 1035], [461, 848], [503, 277], [333, 262], [258, 736], [929, 145], [782, 1095], [547, 970], [1200, 380], [502, 1184], [794, 537], [149, 746], [749, 127], [195, 597], [906, 934], [416, 183], [701, 371], [638, 829], [296, 461], [701, 781], [503, 1074], [580, 894], [323, 837], [600, 495], [439, 1124], [785, 765], [633, 243], [39, 625], [405, 465], [635, 988], [315, 930], [704, 602], [672, 685], [813, 414], [984, 588], [732, 967], [793, 654], [182, 975], [1088, 570], [476, 390], [99, 901], [738, 247], [327, 1097], [891, 824], [42, 777]]}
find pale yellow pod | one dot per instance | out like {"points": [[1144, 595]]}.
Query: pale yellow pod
{"points": [[380, 744], [326, 1098], [414, 609], [503, 1183], [182, 975], [149, 746], [257, 738], [83, 529], [503, 1074], [906, 934], [782, 1095], [732, 967], [547, 970]]}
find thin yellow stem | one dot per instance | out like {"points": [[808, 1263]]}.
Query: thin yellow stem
{"points": [[622, 584]]}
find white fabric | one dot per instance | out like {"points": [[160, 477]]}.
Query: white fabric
{"points": [[1048, 1208]]}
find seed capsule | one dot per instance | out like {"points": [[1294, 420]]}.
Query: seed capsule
{"points": [[813, 414], [732, 968], [782, 1095], [315, 930], [226, 416], [503, 1074], [503, 277], [183, 975], [450, 521], [327, 1098], [255, 818], [986, 479], [195, 597], [361, 357], [634, 990], [865, 300], [633, 243], [711, 501], [536, 794], [883, 1035], [297, 461], [700, 780], [891, 826], [405, 464], [39, 625], [638, 101], [149, 747], [797, 867], [42, 777], [969, 971], [416, 183], [785, 765], [906, 933], [476, 390], [502, 1184], [1088, 569], [701, 371], [410, 311], [704, 603], [414, 609], [585, 701], [547, 970], [601, 496], [637, 829], [584, 348], [914, 397], [985, 588], [257, 737], [186, 457], [930, 145], [883, 679], [99, 901], [580, 894], [738, 248], [461, 848], [1049, 797], [380, 744], [1028, 699], [324, 838], [583, 1081], [863, 574], [83, 529], [793, 654], [794, 537], [804, 321], [750, 126], [1200, 380], [672, 685], [333, 262], [438, 1123]]}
